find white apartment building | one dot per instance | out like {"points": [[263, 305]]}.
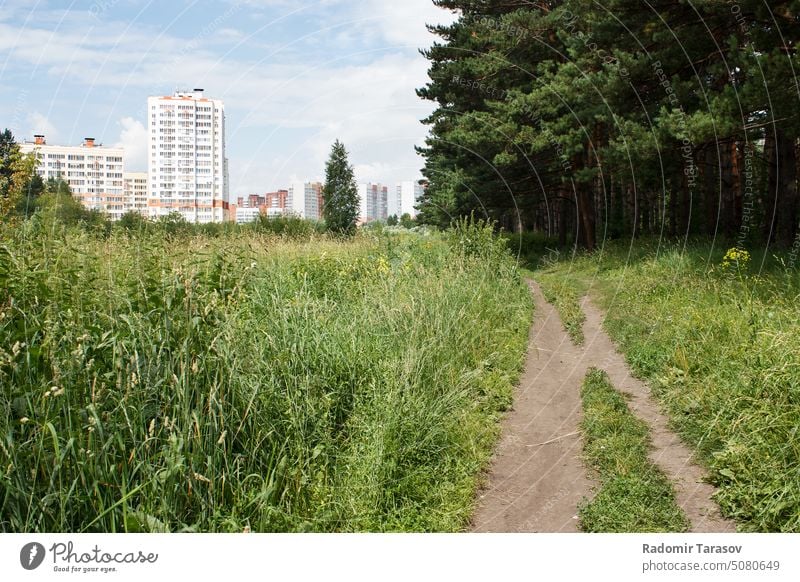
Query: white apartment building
{"points": [[305, 200], [94, 172], [135, 192], [247, 214], [373, 202], [187, 167], [406, 197]]}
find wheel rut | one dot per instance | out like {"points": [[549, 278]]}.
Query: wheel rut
{"points": [[537, 477]]}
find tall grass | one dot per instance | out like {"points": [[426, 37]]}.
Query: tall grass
{"points": [[154, 381], [720, 345]]}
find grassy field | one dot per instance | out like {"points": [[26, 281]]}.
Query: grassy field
{"points": [[719, 341], [634, 495], [158, 381]]}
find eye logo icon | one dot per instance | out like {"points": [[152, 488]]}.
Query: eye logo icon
{"points": [[31, 556]]}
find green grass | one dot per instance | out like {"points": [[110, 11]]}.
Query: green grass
{"points": [[720, 346], [634, 495], [565, 294], [176, 381]]}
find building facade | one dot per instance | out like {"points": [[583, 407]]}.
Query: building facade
{"points": [[406, 199], [275, 202], [187, 164], [249, 209], [135, 192], [304, 199], [246, 214], [373, 202], [94, 172]]}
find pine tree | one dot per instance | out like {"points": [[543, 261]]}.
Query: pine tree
{"points": [[586, 121], [340, 193]]}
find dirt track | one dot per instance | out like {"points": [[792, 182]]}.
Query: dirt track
{"points": [[537, 478]]}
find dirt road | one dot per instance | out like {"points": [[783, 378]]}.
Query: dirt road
{"points": [[537, 478]]}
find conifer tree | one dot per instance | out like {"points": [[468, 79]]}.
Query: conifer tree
{"points": [[340, 193]]}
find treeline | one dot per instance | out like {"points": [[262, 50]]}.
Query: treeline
{"points": [[587, 120]]}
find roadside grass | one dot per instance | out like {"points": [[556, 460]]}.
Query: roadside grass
{"points": [[565, 294], [154, 381], [634, 495], [720, 347]]}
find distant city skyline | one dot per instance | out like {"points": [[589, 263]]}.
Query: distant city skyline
{"points": [[293, 78]]}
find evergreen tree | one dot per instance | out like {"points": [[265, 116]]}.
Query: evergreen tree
{"points": [[588, 121], [340, 194]]}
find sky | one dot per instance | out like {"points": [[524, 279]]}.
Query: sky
{"points": [[294, 76]]}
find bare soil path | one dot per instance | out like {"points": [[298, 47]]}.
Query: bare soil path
{"points": [[537, 478]]}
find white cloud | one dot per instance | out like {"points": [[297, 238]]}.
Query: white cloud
{"points": [[371, 105], [372, 108], [41, 125], [133, 137], [403, 22], [228, 34]]}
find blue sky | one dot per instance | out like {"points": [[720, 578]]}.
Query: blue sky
{"points": [[294, 76]]}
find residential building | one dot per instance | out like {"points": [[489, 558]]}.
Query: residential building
{"points": [[135, 192], [249, 209], [94, 172], [304, 199], [187, 167], [275, 202], [245, 214], [252, 201], [407, 198], [373, 202]]}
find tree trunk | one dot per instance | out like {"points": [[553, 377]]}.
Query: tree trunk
{"points": [[633, 206], [563, 217], [787, 188], [771, 200], [737, 154], [710, 190], [586, 235], [726, 189]]}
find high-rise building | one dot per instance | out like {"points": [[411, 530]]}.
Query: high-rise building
{"points": [[304, 199], [406, 199], [275, 202], [373, 202], [94, 172], [135, 192], [188, 170]]}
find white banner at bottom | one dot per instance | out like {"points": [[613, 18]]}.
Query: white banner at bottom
{"points": [[377, 557]]}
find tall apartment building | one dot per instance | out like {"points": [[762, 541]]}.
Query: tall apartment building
{"points": [[275, 202], [94, 172], [187, 167], [373, 202], [304, 199], [135, 192], [406, 198]]}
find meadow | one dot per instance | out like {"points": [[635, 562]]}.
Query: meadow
{"points": [[717, 336], [156, 380]]}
